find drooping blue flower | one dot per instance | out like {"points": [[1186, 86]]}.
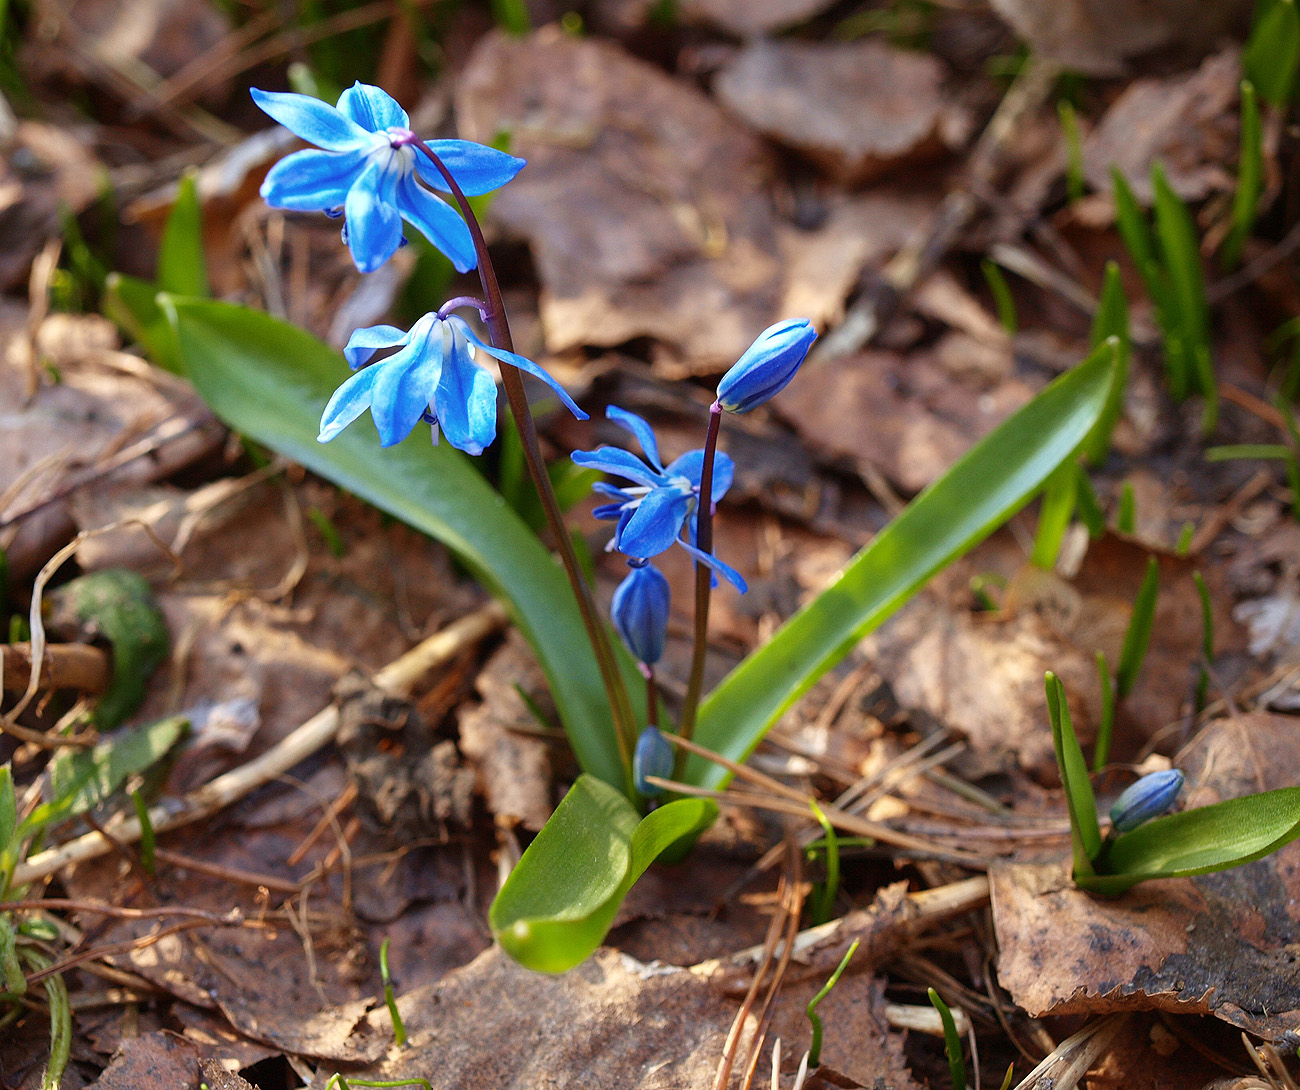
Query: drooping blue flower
{"points": [[432, 378], [661, 502], [767, 365], [640, 612], [653, 756], [1148, 798], [366, 169]]}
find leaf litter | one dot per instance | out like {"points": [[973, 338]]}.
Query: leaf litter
{"points": [[686, 186]]}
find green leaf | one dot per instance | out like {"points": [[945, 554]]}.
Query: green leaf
{"points": [[8, 807], [1088, 508], [1111, 320], [12, 978], [1138, 636], [1250, 178], [119, 605], [1209, 838], [1106, 724], [1248, 450], [1054, 518], [270, 380], [182, 268], [1272, 54], [132, 305], [1079, 799], [1002, 297], [1182, 260], [985, 488], [951, 1041], [82, 779], [560, 899], [1136, 233]]}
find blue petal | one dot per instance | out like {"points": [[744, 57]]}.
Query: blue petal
{"points": [[522, 363], [365, 342], [312, 180], [374, 224], [476, 167], [653, 756], [691, 466], [466, 403], [312, 120], [767, 365], [639, 610], [641, 429], [607, 511], [348, 402], [372, 108], [604, 488], [621, 463], [725, 570], [654, 524], [438, 221], [404, 390]]}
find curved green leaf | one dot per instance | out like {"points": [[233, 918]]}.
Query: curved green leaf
{"points": [[560, 899], [270, 380], [1081, 803], [1199, 841], [990, 484], [182, 267]]}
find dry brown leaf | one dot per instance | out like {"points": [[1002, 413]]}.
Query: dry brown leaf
{"points": [[1220, 944], [1187, 122], [859, 109], [644, 204], [1097, 37], [154, 1061]]}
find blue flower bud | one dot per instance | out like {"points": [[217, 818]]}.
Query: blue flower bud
{"points": [[653, 757], [640, 612], [1149, 797], [767, 365]]}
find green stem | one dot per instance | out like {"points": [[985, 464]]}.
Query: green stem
{"points": [[499, 331], [703, 578]]}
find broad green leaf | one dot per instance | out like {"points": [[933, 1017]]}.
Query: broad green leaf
{"points": [[1272, 54], [1199, 841], [82, 779], [182, 268], [12, 978], [270, 380], [1111, 320], [1138, 637], [1250, 177], [1136, 233], [559, 901], [119, 606], [985, 488], [1079, 799]]}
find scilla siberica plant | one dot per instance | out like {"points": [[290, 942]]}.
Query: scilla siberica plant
{"points": [[370, 168]]}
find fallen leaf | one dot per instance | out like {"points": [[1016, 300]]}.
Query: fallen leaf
{"points": [[1097, 37], [644, 204], [858, 109], [1221, 944], [1187, 122], [154, 1061]]}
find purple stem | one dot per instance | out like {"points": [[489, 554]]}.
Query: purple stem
{"points": [[703, 580], [499, 331]]}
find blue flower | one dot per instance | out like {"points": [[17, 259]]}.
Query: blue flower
{"points": [[640, 612], [767, 365], [432, 378], [366, 169], [653, 756], [1149, 797], [654, 509]]}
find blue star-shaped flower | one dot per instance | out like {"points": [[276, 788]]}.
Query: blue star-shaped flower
{"points": [[366, 169], [656, 507], [432, 378]]}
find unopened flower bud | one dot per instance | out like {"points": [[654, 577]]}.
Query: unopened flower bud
{"points": [[1149, 797], [640, 612], [653, 757], [767, 365]]}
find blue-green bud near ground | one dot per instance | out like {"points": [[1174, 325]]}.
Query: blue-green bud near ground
{"points": [[1148, 798], [767, 365], [653, 757]]}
